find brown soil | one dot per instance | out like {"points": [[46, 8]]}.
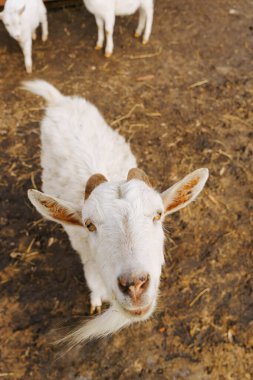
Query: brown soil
{"points": [[184, 101]]}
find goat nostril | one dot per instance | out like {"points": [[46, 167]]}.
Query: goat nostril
{"points": [[123, 284], [144, 281], [144, 278]]}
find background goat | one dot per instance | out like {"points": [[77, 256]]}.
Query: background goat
{"points": [[105, 12], [21, 18]]}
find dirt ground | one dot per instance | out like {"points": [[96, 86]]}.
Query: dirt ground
{"points": [[184, 101]]}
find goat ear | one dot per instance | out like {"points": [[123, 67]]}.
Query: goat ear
{"points": [[55, 209], [21, 10], [184, 191], [93, 181], [136, 173]]}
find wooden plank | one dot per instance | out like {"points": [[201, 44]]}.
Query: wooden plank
{"points": [[66, 2], [56, 3], [62, 3]]}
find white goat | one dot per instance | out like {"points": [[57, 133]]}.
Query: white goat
{"points": [[21, 18], [105, 12], [114, 220]]}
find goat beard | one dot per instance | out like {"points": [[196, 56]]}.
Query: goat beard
{"points": [[107, 323]]}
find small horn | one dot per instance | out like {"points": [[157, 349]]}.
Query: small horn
{"points": [[93, 181], [136, 173]]}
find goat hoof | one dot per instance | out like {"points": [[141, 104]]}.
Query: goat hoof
{"points": [[29, 69], [108, 55], [44, 38], [34, 36], [98, 47], [144, 42], [137, 35], [95, 309]]}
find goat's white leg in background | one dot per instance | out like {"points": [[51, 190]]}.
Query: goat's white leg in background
{"points": [[109, 26], [44, 27], [141, 23], [95, 283], [149, 10], [101, 33], [26, 47]]}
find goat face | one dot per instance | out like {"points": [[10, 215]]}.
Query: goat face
{"points": [[126, 236], [12, 20]]}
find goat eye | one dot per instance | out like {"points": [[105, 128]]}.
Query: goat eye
{"points": [[157, 216], [91, 227]]}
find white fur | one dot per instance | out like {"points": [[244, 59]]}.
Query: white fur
{"points": [[111, 321], [105, 12], [76, 143], [21, 19]]}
